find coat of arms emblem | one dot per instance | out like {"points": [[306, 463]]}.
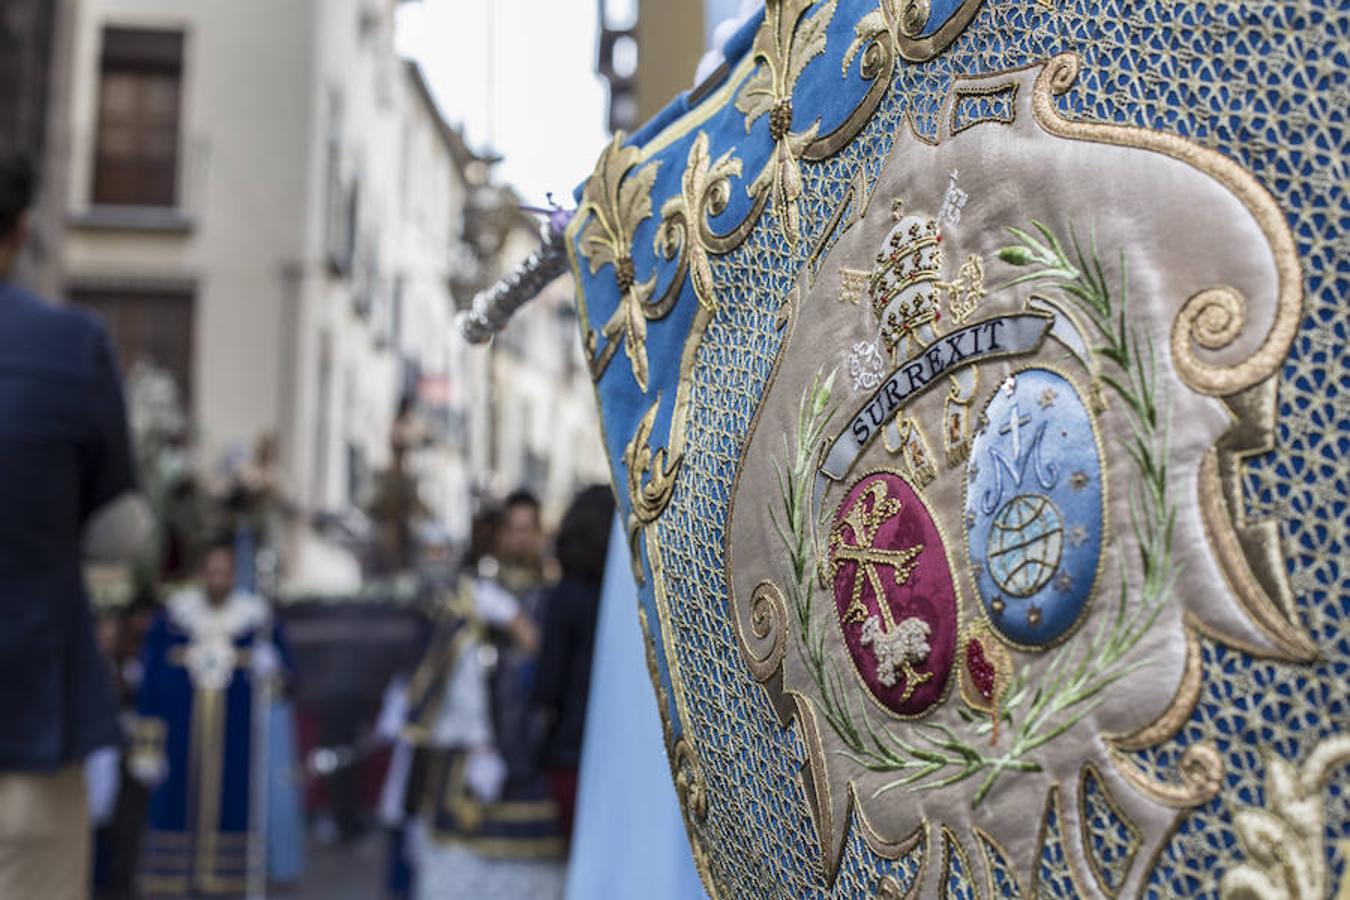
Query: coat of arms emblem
{"points": [[1001, 580]]}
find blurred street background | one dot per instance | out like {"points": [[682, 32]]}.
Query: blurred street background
{"points": [[277, 207]]}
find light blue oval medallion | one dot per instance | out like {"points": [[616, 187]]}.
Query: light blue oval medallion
{"points": [[1034, 507]]}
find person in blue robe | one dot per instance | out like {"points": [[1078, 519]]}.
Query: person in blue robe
{"points": [[211, 659]]}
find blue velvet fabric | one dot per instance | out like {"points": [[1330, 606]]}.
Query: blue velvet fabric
{"points": [[168, 695]]}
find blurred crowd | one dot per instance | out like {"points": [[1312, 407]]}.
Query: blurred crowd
{"points": [[477, 743], [157, 747]]}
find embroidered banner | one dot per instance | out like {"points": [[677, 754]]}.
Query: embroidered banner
{"points": [[1025, 642]]}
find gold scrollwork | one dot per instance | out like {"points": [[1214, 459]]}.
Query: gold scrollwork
{"points": [[650, 498], [1182, 705], [654, 673], [954, 854], [660, 467], [1249, 553], [877, 37], [616, 203], [692, 792], [1053, 809], [768, 623], [958, 94], [1201, 771], [1214, 317], [901, 23], [690, 787], [705, 191], [1089, 772], [996, 857], [888, 888]]}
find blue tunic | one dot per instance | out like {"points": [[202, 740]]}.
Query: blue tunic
{"points": [[202, 691]]}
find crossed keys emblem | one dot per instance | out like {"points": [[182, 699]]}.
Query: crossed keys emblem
{"points": [[898, 645]]}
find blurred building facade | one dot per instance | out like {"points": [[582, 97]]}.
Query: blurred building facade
{"points": [[264, 204], [648, 51], [34, 33], [544, 420]]}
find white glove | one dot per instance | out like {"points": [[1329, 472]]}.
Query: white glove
{"points": [[494, 603], [150, 769], [484, 773], [102, 777], [264, 661]]}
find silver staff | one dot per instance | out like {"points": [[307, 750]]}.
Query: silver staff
{"points": [[492, 308]]}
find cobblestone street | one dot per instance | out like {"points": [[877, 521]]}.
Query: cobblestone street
{"points": [[352, 871]]}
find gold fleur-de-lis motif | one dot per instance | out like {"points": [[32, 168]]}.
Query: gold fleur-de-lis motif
{"points": [[1285, 841], [783, 47], [704, 191], [617, 203]]}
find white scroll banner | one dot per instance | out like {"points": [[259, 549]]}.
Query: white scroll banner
{"points": [[976, 343]]}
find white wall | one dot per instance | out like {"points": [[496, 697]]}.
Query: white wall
{"points": [[261, 81], [244, 74]]}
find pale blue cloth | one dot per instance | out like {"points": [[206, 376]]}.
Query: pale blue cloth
{"points": [[285, 798], [629, 839]]}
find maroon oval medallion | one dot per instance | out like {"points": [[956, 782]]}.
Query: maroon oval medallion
{"points": [[893, 593]]}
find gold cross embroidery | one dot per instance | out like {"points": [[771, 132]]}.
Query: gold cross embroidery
{"points": [[864, 523]]}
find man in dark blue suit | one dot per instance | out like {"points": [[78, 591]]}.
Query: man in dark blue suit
{"points": [[67, 493]]}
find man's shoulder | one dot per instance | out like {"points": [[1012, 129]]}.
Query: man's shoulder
{"points": [[34, 330], [23, 305]]}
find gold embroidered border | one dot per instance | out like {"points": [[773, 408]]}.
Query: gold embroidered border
{"points": [[988, 847], [1052, 804], [768, 621], [1179, 710], [902, 22], [1201, 771], [958, 94], [1236, 542], [1136, 839], [952, 848]]}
